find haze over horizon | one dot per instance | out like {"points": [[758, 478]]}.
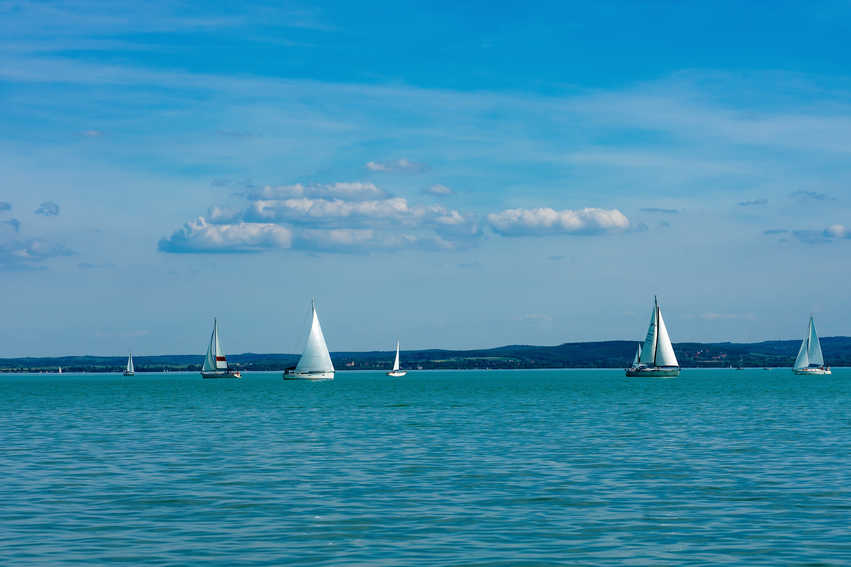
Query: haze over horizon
{"points": [[455, 176]]}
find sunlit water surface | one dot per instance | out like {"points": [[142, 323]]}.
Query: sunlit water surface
{"points": [[442, 468]]}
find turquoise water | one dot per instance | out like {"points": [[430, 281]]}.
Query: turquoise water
{"points": [[441, 468]]}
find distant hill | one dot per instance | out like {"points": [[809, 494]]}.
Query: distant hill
{"points": [[602, 354]]}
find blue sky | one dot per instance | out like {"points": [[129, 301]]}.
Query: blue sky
{"points": [[451, 175]]}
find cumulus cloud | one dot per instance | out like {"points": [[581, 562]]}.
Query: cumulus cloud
{"points": [[48, 209], [543, 221], [360, 217], [4, 206], [402, 164], [438, 190], [29, 254], [201, 236], [753, 203]]}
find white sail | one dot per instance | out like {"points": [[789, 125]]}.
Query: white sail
{"points": [[396, 362], [315, 357], [637, 355], [215, 359], [664, 349], [130, 368], [803, 360], [648, 350], [814, 348]]}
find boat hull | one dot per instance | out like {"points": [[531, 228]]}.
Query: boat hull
{"points": [[397, 373], [653, 372], [308, 375], [812, 371], [129, 373], [225, 374]]}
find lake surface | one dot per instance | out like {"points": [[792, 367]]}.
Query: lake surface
{"points": [[436, 468]]}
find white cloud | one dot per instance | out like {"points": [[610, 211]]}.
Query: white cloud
{"points": [[438, 190], [16, 254], [324, 211], [200, 236], [543, 221], [402, 164], [350, 191]]}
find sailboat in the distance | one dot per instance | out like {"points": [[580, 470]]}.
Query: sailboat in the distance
{"points": [[315, 362], [129, 370], [396, 372], [810, 360], [655, 358], [216, 363]]}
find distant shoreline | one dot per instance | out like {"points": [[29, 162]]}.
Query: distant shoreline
{"points": [[594, 354]]}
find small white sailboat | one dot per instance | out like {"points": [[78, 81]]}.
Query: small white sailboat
{"points": [[216, 363], [315, 362], [655, 358], [396, 372], [129, 370], [810, 361], [59, 371]]}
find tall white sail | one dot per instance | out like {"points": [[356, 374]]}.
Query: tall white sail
{"points": [[648, 349], [637, 356], [130, 368], [396, 362], [664, 349], [803, 360], [215, 359], [315, 357], [814, 348]]}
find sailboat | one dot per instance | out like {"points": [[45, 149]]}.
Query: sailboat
{"points": [[396, 372], [655, 357], [810, 360], [129, 370], [315, 362], [216, 363]]}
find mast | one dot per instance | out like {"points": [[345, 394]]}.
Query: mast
{"points": [[656, 346]]}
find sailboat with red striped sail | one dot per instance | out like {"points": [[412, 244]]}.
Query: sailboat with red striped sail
{"points": [[216, 363]]}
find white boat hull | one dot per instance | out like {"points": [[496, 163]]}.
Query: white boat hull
{"points": [[653, 372], [308, 375], [222, 374], [812, 371], [129, 373], [397, 373]]}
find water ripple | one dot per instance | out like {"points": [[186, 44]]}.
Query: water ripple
{"points": [[442, 468]]}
